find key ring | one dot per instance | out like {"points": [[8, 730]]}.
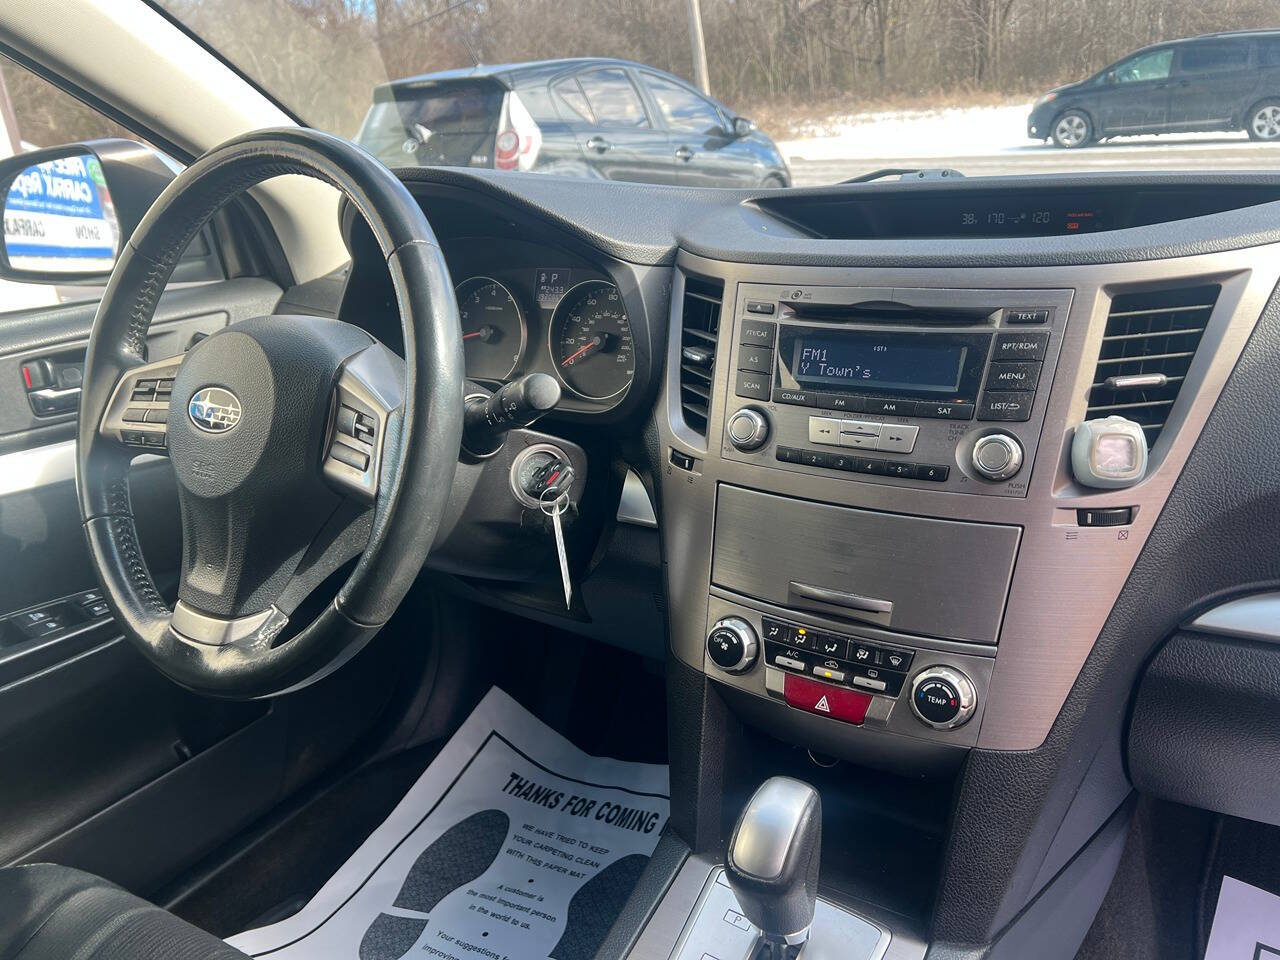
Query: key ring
{"points": [[553, 507]]}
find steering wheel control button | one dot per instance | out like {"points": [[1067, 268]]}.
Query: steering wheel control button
{"points": [[997, 456], [732, 645], [748, 429], [825, 699], [350, 456], [135, 415], [943, 697]]}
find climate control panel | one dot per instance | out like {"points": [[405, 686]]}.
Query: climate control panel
{"points": [[865, 682]]}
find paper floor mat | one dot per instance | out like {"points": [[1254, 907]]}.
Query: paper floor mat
{"points": [[512, 845]]}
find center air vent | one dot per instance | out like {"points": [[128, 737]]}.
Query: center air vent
{"points": [[700, 324], [1150, 341]]}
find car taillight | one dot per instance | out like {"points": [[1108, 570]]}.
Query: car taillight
{"points": [[506, 150], [520, 139]]}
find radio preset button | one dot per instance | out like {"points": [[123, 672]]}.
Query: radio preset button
{"points": [[825, 430], [944, 411], [903, 471], [753, 386], [753, 359], [1021, 346], [787, 454], [935, 473], [1012, 407], [759, 333], [868, 465], [1013, 375], [895, 438]]}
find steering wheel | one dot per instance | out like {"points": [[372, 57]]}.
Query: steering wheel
{"points": [[298, 442]]}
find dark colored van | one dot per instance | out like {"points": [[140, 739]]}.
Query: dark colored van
{"points": [[1221, 81], [602, 118]]}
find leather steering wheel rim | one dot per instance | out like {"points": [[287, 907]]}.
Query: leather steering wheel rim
{"points": [[420, 439]]}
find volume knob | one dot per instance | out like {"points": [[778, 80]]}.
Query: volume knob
{"points": [[997, 456], [732, 644], [748, 429]]}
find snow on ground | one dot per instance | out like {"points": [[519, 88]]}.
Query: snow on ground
{"points": [[960, 132]]}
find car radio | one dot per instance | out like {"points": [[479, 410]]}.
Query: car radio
{"points": [[921, 387]]}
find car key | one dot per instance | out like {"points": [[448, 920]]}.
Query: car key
{"points": [[554, 508]]}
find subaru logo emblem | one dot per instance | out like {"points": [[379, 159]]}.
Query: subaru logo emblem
{"points": [[214, 410]]}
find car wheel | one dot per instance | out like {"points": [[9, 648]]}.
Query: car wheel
{"points": [[773, 182], [1073, 129], [1264, 121]]}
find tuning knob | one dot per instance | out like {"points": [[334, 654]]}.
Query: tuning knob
{"points": [[943, 697], [748, 429], [732, 644], [997, 456]]}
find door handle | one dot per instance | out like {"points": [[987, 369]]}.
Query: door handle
{"points": [[684, 153], [839, 598], [598, 144]]}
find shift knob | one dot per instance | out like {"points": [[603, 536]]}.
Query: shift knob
{"points": [[772, 864]]}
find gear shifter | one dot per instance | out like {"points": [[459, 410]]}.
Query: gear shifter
{"points": [[772, 864]]}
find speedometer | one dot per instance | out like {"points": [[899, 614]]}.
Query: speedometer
{"points": [[493, 329], [590, 341]]}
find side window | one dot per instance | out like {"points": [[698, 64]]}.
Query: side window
{"points": [[1147, 66], [681, 107], [570, 96], [1213, 57], [613, 98], [35, 114]]}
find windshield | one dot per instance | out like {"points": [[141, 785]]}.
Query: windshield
{"points": [[770, 93]]}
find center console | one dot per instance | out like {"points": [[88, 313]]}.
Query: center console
{"points": [[876, 545]]}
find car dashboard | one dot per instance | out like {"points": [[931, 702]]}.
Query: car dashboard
{"points": [[851, 438]]}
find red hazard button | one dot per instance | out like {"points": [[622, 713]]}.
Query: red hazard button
{"points": [[824, 699]]}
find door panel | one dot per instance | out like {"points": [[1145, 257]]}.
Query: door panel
{"points": [[1137, 95], [705, 154], [1208, 83], [623, 143]]}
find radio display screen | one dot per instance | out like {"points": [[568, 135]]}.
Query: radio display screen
{"points": [[943, 366]]}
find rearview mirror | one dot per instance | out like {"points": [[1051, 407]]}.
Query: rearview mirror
{"points": [[742, 127], [69, 210]]}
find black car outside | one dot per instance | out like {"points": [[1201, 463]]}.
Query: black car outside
{"points": [[1217, 82], [599, 117]]}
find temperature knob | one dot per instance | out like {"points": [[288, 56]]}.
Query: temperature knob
{"points": [[732, 644], [748, 429], [943, 697], [997, 456]]}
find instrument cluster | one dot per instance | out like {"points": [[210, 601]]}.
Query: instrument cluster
{"points": [[524, 309]]}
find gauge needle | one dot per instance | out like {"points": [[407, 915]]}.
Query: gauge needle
{"points": [[595, 343], [484, 333]]}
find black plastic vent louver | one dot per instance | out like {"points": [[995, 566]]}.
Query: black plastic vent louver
{"points": [[700, 323], [1150, 341]]}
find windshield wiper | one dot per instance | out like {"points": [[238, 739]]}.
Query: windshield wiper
{"points": [[907, 173]]}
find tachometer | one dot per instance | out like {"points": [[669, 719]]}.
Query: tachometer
{"points": [[493, 328], [590, 341]]}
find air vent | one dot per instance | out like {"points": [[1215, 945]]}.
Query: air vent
{"points": [[700, 324], [1150, 341]]}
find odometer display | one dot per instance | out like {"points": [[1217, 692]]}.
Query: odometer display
{"points": [[590, 341], [493, 329]]}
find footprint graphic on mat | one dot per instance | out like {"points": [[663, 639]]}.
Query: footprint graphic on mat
{"points": [[594, 908], [458, 856]]}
